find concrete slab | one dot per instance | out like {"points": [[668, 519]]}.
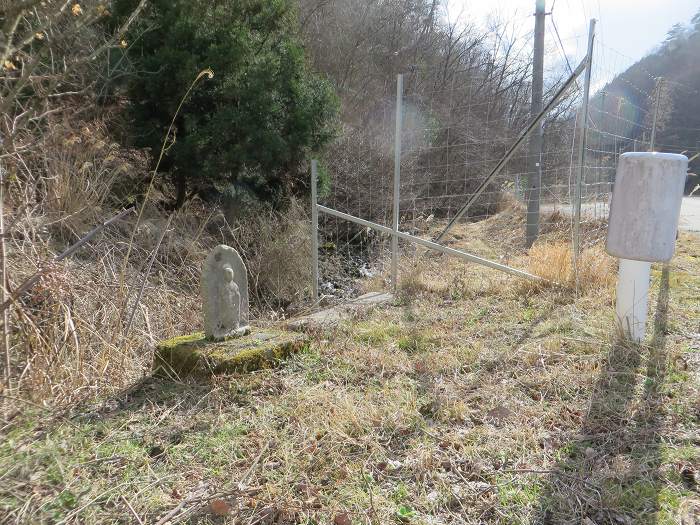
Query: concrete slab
{"points": [[331, 317]]}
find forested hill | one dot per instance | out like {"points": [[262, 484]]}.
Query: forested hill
{"points": [[633, 93]]}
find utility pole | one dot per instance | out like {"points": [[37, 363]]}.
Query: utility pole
{"points": [[534, 182], [666, 268]]}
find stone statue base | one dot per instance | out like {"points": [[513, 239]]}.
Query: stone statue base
{"points": [[195, 355]]}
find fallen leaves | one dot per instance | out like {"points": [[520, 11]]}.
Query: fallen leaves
{"points": [[219, 507], [309, 493], [689, 476], [342, 519]]}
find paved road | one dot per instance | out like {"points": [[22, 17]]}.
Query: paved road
{"points": [[690, 214]]}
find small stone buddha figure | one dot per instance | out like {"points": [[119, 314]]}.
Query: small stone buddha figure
{"points": [[225, 294], [229, 303]]}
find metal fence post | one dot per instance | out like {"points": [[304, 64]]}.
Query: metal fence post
{"points": [[583, 124], [397, 183], [314, 228], [657, 104]]}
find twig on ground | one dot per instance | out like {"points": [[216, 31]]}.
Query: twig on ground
{"points": [[131, 509], [553, 472], [4, 286], [28, 402], [174, 512]]}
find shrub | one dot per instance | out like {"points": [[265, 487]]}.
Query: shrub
{"points": [[247, 133]]}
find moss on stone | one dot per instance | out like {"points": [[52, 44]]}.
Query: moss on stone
{"points": [[191, 339], [194, 355]]}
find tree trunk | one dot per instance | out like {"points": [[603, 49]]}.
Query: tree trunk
{"points": [[181, 189]]}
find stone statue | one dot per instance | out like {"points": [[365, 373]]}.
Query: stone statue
{"points": [[225, 294]]}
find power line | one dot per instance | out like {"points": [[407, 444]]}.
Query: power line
{"points": [[566, 58], [561, 45]]}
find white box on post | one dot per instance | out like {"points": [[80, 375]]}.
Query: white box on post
{"points": [[643, 225], [646, 206]]}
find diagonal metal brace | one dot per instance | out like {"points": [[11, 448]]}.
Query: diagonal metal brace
{"points": [[431, 245], [524, 135]]}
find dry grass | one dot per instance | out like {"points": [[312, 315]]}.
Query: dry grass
{"points": [[412, 281], [69, 333], [485, 406], [470, 399], [277, 251], [595, 270], [69, 343]]}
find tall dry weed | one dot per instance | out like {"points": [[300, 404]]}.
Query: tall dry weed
{"points": [[554, 262], [276, 247], [69, 338]]}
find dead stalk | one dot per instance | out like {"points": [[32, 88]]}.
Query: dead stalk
{"points": [[33, 279], [205, 73], [144, 277], [3, 286]]}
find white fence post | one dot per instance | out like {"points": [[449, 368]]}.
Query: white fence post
{"points": [[646, 207], [397, 183], [314, 228]]}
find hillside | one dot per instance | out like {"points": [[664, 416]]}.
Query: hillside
{"points": [[675, 61]]}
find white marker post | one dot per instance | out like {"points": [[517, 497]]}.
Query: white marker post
{"points": [[632, 297], [644, 215]]}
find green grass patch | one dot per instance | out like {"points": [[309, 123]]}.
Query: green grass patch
{"points": [[376, 332]]}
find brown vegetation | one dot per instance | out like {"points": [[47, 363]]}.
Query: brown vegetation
{"points": [[468, 402]]}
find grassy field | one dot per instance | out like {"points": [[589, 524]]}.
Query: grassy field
{"points": [[472, 398]]}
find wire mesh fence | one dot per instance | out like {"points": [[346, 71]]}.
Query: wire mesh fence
{"points": [[356, 178], [452, 139], [454, 129]]}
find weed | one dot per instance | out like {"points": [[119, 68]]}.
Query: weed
{"points": [[374, 332], [405, 514], [554, 262], [416, 341]]}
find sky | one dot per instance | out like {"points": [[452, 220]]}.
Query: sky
{"points": [[626, 31]]}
